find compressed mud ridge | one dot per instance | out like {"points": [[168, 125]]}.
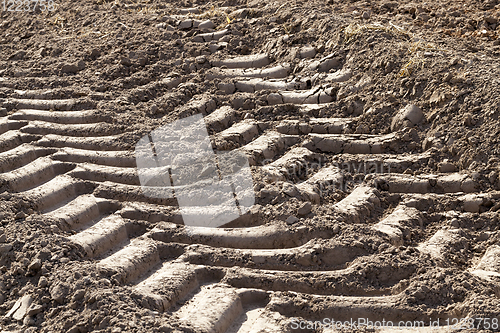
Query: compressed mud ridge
{"points": [[371, 130]]}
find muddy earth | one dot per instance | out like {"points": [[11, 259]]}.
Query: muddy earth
{"points": [[371, 131]]}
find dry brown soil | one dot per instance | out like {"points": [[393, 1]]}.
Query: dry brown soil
{"points": [[372, 129]]}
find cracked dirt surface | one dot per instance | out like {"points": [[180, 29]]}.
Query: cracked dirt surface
{"points": [[371, 130]]}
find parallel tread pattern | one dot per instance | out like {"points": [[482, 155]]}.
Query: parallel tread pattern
{"points": [[70, 162]]}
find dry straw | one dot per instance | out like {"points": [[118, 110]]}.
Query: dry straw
{"points": [[214, 12], [354, 30], [417, 60], [415, 49]]}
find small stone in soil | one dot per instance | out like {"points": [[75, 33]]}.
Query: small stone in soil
{"points": [[305, 208], [292, 219], [42, 283]]}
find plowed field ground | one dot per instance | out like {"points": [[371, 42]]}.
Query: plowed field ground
{"points": [[372, 133]]}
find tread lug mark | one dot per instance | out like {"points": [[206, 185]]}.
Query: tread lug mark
{"points": [[488, 267], [251, 61], [49, 104], [132, 261], [60, 117], [276, 72], [35, 173], [102, 236]]}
